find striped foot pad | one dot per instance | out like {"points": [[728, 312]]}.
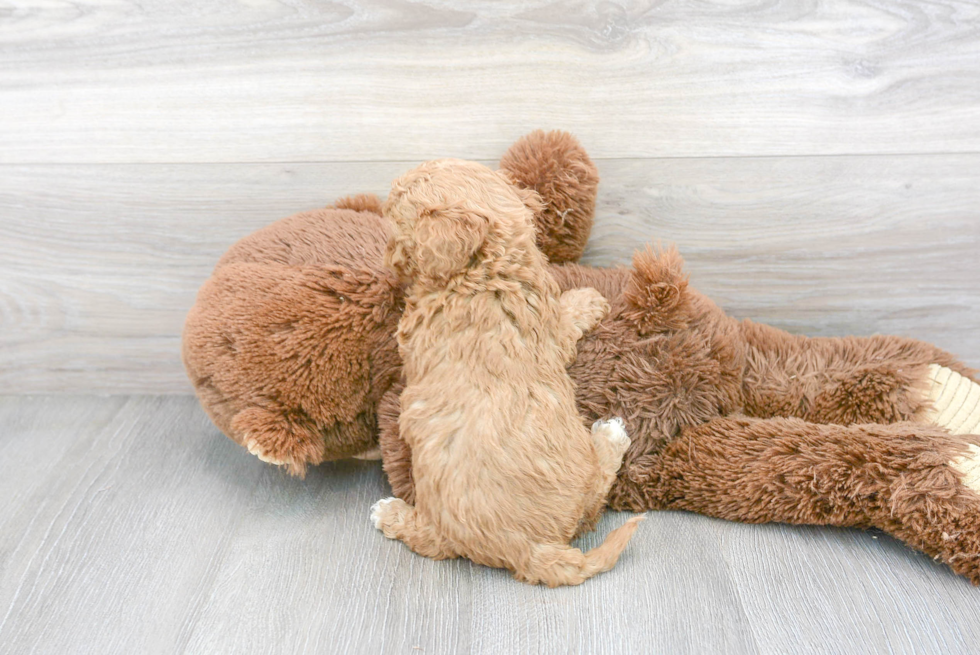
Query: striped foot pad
{"points": [[955, 401], [374, 453]]}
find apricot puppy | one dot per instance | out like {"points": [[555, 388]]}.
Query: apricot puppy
{"points": [[506, 473]]}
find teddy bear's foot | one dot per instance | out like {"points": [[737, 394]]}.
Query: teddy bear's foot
{"points": [[954, 401], [255, 447], [274, 439], [968, 466], [370, 454], [948, 530]]}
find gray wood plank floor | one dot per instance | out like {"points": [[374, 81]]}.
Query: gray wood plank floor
{"points": [[128, 524]]}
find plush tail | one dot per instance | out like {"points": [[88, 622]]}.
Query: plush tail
{"points": [[564, 565]]}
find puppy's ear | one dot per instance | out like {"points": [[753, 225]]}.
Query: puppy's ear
{"points": [[446, 238], [398, 256]]}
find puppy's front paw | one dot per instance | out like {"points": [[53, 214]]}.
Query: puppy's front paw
{"points": [[614, 430], [381, 510], [587, 305]]}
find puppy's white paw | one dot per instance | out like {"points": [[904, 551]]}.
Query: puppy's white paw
{"points": [[590, 307], [255, 449], [615, 431], [379, 510]]}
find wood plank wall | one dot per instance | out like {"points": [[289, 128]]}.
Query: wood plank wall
{"points": [[817, 163]]}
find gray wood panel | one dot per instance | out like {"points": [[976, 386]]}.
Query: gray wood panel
{"points": [[130, 525], [99, 264], [378, 80]]}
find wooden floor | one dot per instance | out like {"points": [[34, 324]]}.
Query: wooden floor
{"points": [[130, 525], [818, 165]]}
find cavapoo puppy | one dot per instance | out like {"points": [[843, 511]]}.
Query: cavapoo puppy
{"points": [[506, 473]]}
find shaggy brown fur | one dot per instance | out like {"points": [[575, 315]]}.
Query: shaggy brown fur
{"points": [[686, 378], [507, 471], [290, 343]]}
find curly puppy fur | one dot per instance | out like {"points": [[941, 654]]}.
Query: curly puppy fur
{"points": [[506, 471]]}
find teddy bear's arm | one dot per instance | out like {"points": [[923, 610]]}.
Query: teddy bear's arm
{"points": [[917, 483], [843, 380]]}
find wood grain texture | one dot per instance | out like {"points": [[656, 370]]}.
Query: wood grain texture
{"points": [[130, 525], [378, 80], [99, 264]]}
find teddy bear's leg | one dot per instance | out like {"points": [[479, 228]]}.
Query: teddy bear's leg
{"points": [[399, 520], [918, 483], [581, 310], [396, 455], [274, 438], [847, 380]]}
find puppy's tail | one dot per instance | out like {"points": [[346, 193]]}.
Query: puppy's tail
{"points": [[563, 565]]}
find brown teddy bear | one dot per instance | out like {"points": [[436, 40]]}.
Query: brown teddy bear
{"points": [[291, 349]]}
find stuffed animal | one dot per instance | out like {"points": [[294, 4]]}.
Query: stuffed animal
{"points": [[291, 350]]}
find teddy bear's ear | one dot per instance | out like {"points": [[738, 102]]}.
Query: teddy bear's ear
{"points": [[657, 296], [446, 238], [362, 202], [556, 167], [528, 197]]}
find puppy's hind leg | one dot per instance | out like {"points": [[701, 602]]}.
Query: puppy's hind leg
{"points": [[611, 442], [399, 520]]}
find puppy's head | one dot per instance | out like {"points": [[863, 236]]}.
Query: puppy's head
{"points": [[448, 214]]}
